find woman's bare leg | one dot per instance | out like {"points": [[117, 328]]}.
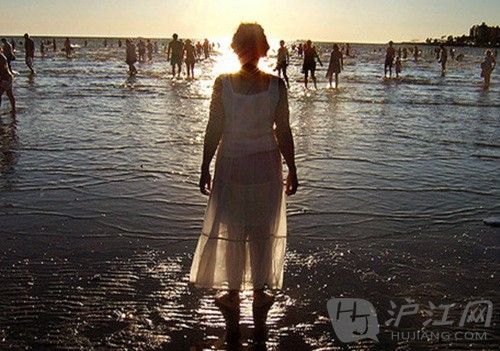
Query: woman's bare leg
{"points": [[262, 303]]}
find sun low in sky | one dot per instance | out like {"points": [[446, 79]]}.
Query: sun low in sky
{"points": [[327, 20]]}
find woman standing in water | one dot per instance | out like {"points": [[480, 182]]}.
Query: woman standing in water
{"points": [[242, 244], [131, 57], [336, 65], [309, 65]]}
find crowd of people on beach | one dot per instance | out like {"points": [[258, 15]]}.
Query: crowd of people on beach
{"points": [[181, 52], [178, 52]]}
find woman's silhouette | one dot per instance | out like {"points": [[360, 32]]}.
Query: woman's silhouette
{"points": [[242, 244]]}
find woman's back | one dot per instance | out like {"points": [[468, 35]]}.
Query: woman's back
{"points": [[249, 110]]}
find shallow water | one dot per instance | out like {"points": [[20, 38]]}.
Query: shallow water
{"points": [[100, 210]]}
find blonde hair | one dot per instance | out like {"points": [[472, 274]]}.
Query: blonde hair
{"points": [[250, 42]]}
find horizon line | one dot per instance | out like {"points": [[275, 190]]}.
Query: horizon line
{"points": [[79, 36]]}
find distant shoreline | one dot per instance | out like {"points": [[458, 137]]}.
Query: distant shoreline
{"points": [[410, 43], [446, 44]]}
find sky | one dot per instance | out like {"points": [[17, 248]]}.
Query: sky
{"points": [[373, 21]]}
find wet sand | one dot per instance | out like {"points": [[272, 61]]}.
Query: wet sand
{"points": [[100, 213]]}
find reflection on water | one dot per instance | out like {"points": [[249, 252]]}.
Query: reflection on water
{"points": [[8, 145], [99, 208]]}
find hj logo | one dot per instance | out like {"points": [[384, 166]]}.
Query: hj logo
{"points": [[356, 319], [353, 319]]}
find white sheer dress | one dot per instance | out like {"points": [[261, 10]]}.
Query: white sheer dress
{"points": [[242, 244]]}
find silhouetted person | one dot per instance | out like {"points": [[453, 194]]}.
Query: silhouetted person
{"points": [[8, 51], [437, 52], [282, 61], [6, 82], [206, 48], [190, 57], [29, 49], [149, 47], [42, 49], [174, 54], [405, 53], [398, 65], [67, 48], [199, 49], [246, 213], [487, 67], [335, 66], [105, 43], [309, 64], [416, 53], [13, 44], [85, 43], [141, 48], [443, 58], [119, 43], [54, 45], [347, 50], [300, 50], [389, 59], [131, 56]]}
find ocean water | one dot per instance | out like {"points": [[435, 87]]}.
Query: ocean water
{"points": [[100, 212]]}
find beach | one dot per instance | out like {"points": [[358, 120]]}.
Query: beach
{"points": [[100, 209]]}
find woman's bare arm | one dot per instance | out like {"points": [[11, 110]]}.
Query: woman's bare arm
{"points": [[213, 134], [285, 139]]}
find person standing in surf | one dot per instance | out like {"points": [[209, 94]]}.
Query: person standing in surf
{"points": [[68, 48], [141, 48], [390, 53], [443, 58], [6, 80], [283, 60], [398, 65], [149, 48], [336, 65], [29, 52], [42, 49], [190, 55], [206, 48], [175, 54], [487, 67], [131, 57], [243, 240], [309, 64], [8, 51]]}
